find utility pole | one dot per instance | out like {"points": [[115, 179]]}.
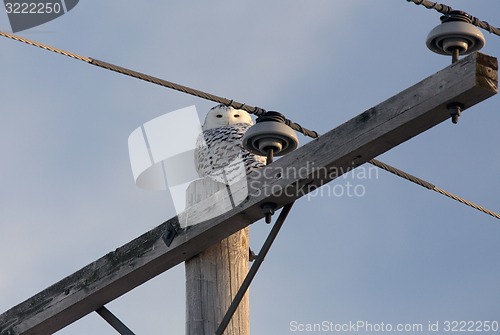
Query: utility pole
{"points": [[371, 133], [214, 276]]}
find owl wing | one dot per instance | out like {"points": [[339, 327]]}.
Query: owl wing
{"points": [[219, 154]]}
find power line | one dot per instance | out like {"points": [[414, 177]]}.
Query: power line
{"points": [[430, 186], [444, 9], [185, 89], [253, 110], [43, 46]]}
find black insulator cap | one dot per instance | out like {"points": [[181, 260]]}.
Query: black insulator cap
{"points": [[456, 15]]}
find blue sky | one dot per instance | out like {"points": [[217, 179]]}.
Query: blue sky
{"points": [[399, 253]]}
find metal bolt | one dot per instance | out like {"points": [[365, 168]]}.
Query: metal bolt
{"points": [[270, 155], [268, 210], [455, 108]]}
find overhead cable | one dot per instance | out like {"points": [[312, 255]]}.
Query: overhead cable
{"points": [[185, 89], [444, 9], [430, 186], [256, 110]]}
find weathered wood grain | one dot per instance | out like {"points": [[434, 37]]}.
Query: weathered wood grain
{"points": [[414, 110], [214, 276]]}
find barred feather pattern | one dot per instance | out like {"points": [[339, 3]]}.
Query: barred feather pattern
{"points": [[220, 155]]}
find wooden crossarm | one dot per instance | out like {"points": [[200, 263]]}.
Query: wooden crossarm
{"points": [[394, 121]]}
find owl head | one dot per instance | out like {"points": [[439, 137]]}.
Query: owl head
{"points": [[222, 115]]}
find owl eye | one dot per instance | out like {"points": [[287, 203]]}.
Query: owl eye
{"points": [[218, 116], [236, 115]]}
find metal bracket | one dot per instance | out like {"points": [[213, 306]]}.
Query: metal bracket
{"points": [[253, 270], [114, 321], [173, 229]]}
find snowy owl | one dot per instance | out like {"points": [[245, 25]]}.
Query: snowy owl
{"points": [[219, 152]]}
